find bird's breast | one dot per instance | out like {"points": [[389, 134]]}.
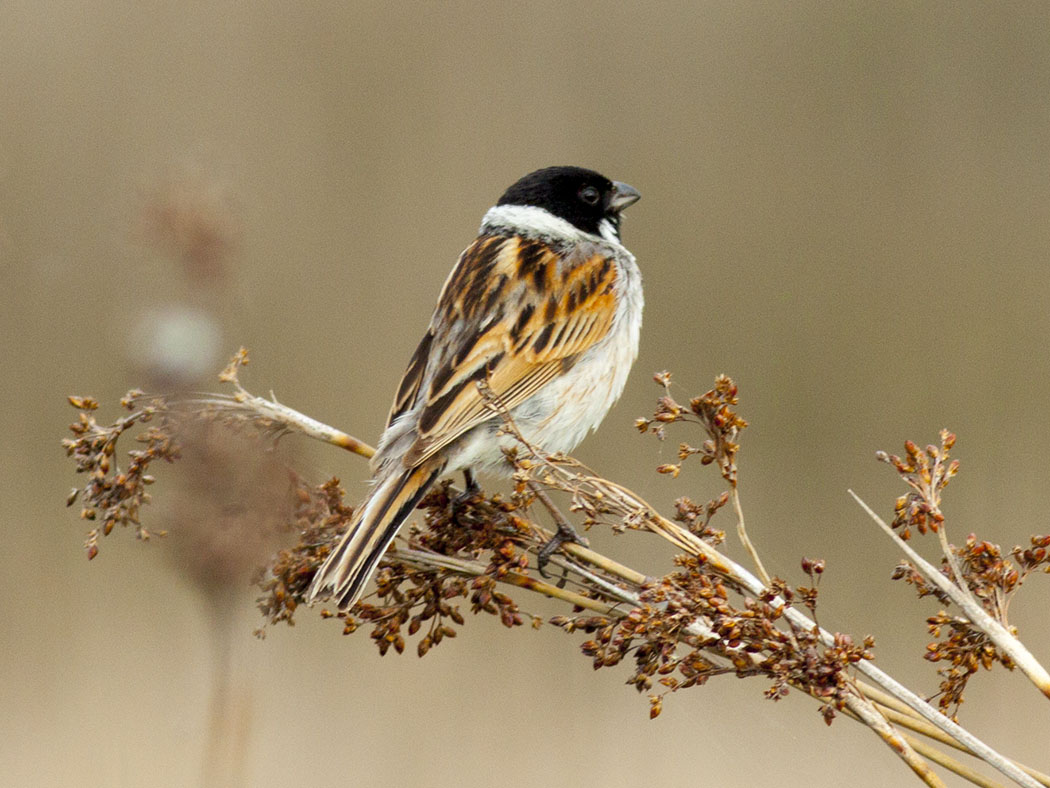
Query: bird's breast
{"points": [[561, 414]]}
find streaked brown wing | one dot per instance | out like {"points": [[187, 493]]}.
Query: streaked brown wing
{"points": [[513, 311], [413, 377]]}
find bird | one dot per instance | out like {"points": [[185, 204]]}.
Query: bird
{"points": [[544, 309]]}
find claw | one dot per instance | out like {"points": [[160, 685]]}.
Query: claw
{"points": [[565, 533]]}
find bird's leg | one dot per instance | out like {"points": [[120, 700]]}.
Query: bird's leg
{"points": [[565, 532], [471, 489], [472, 483]]}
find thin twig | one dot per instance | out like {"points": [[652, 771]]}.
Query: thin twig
{"points": [[953, 562], [744, 539]]}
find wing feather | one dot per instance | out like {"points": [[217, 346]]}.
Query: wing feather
{"points": [[514, 312], [408, 389]]}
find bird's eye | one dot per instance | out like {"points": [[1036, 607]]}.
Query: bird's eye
{"points": [[590, 195]]}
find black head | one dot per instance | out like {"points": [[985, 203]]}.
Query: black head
{"points": [[579, 196]]}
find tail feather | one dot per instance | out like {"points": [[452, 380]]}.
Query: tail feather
{"points": [[375, 524]]}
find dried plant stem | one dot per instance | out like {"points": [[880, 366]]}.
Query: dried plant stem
{"points": [[632, 508], [906, 718], [917, 704], [918, 725], [1035, 774], [284, 418], [949, 763], [999, 635], [894, 740], [932, 753], [952, 729], [898, 713], [884, 699], [924, 728], [744, 539], [605, 564], [474, 569], [901, 714], [953, 562], [540, 587], [904, 715]]}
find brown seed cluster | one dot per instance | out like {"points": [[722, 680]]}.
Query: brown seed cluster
{"points": [[965, 649], [319, 517], [977, 566], [747, 637], [697, 517], [909, 574], [473, 525], [113, 494], [927, 471], [407, 597], [992, 579], [412, 598], [714, 411]]}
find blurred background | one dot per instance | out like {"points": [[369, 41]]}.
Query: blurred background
{"points": [[846, 208]]}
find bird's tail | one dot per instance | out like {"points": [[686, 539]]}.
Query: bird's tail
{"points": [[374, 525]]}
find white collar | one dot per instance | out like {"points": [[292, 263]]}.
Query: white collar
{"points": [[534, 222]]}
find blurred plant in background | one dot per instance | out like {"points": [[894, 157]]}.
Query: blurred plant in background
{"points": [[230, 498]]}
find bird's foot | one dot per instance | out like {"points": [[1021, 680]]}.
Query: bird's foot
{"points": [[565, 533]]}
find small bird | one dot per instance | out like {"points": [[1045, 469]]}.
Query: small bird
{"points": [[545, 308]]}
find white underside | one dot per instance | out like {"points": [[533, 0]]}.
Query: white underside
{"points": [[563, 412]]}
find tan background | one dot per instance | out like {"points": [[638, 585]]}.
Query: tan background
{"points": [[846, 207]]}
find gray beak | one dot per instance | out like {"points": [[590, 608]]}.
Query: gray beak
{"points": [[623, 196]]}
